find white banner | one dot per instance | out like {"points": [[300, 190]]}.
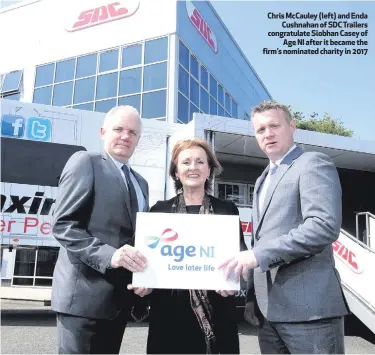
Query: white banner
{"points": [[183, 250], [355, 265]]}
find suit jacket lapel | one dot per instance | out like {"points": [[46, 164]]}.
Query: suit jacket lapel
{"points": [[117, 174], [285, 164], [281, 170]]}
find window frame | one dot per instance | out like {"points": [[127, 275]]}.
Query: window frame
{"points": [[14, 90], [248, 192], [97, 74]]}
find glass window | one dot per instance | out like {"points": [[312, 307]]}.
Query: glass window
{"points": [[65, 70], [213, 106], [46, 261], [25, 262], [183, 109], [155, 76], [226, 114], [62, 94], [228, 192], [86, 65], [134, 100], [193, 109], [250, 191], [204, 77], [84, 90], [43, 282], [183, 81], [221, 190], [88, 107], [106, 86], [194, 91], [19, 281], [220, 95], [213, 87], [32, 159], [131, 55], [44, 75], [154, 104], [194, 67], [234, 109], [204, 100], [105, 106], [130, 81], [235, 193], [108, 60], [236, 198], [156, 50], [12, 81], [220, 111], [247, 117], [12, 96], [43, 95], [227, 103], [184, 55]]}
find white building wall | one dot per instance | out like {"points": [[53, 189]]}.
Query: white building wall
{"points": [[37, 33]]}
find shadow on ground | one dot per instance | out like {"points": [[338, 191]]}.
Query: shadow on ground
{"points": [[46, 318], [354, 327], [28, 317]]}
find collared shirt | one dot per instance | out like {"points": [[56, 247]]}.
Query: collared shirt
{"points": [[277, 162], [138, 191]]}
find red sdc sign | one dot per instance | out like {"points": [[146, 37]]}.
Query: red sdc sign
{"points": [[345, 255], [103, 14], [201, 25], [247, 227]]}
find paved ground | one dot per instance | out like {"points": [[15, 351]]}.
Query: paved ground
{"points": [[29, 328]]}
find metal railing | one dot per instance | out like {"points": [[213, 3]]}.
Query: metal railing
{"points": [[367, 235], [356, 240]]}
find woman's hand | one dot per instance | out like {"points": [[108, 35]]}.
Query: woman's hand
{"points": [[140, 291], [225, 293]]}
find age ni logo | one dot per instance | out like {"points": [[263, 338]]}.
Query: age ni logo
{"points": [[179, 252], [34, 128]]}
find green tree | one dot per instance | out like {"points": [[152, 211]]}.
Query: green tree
{"points": [[326, 124]]}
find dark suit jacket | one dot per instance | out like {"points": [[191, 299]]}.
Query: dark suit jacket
{"points": [[162, 316], [91, 221]]}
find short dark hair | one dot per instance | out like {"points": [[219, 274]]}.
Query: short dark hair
{"points": [[213, 163]]}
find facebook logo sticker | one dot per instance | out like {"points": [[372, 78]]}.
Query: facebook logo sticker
{"points": [[38, 129], [12, 126]]}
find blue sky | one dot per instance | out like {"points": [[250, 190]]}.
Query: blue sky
{"points": [[344, 87]]}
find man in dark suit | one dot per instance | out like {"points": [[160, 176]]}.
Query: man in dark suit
{"points": [[94, 221], [296, 218]]}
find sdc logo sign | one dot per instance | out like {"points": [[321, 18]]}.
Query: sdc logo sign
{"points": [[201, 25], [346, 256], [98, 12]]}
